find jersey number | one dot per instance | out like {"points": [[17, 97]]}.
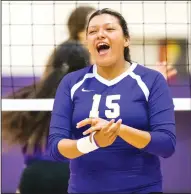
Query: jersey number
{"points": [[114, 108]]}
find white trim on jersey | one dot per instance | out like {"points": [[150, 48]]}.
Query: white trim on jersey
{"points": [[77, 85], [115, 80], [141, 84], [129, 72]]}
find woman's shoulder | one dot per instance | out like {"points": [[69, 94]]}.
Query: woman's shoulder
{"points": [[74, 77], [150, 77], [148, 71], [81, 72]]}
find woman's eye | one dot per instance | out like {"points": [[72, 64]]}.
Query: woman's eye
{"points": [[110, 29], [91, 32]]}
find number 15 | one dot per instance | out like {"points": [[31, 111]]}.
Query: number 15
{"points": [[114, 108]]}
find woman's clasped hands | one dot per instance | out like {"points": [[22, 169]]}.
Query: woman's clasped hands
{"points": [[106, 131]]}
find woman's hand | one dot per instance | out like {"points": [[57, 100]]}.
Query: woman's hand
{"points": [[167, 70], [94, 122], [106, 132]]}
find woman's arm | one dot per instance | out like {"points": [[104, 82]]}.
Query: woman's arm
{"points": [[161, 138], [60, 143], [135, 137], [68, 148], [75, 148]]}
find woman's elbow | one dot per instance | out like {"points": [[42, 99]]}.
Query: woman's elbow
{"points": [[66, 154], [70, 157], [53, 152], [170, 148]]}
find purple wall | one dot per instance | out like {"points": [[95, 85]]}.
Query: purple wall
{"points": [[176, 170]]}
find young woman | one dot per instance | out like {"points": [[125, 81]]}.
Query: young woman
{"points": [[30, 129], [125, 111]]}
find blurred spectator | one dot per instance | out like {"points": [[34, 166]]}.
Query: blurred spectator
{"points": [[77, 23], [30, 129]]}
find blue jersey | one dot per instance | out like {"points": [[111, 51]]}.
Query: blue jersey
{"points": [[140, 97]]}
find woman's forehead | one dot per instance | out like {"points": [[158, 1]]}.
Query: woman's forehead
{"points": [[104, 19]]}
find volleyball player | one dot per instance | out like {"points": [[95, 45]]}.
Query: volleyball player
{"points": [[30, 129], [125, 111]]}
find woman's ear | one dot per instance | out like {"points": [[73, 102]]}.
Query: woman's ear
{"points": [[126, 42]]}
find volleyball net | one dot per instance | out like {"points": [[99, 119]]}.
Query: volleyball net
{"points": [[160, 31]]}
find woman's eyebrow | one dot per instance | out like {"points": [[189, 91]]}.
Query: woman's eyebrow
{"points": [[109, 23]]}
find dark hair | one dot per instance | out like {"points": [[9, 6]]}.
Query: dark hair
{"points": [[77, 21], [122, 23], [29, 128]]}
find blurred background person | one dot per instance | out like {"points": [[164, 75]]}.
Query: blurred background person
{"points": [[77, 23], [29, 129]]}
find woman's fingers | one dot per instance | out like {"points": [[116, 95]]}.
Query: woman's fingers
{"points": [[87, 121], [166, 69], [97, 128], [171, 72], [110, 130], [92, 129], [94, 122], [113, 129], [106, 127]]}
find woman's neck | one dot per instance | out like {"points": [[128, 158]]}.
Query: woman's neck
{"points": [[112, 71]]}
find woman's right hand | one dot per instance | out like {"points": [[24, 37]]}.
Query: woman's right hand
{"points": [[167, 70]]}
